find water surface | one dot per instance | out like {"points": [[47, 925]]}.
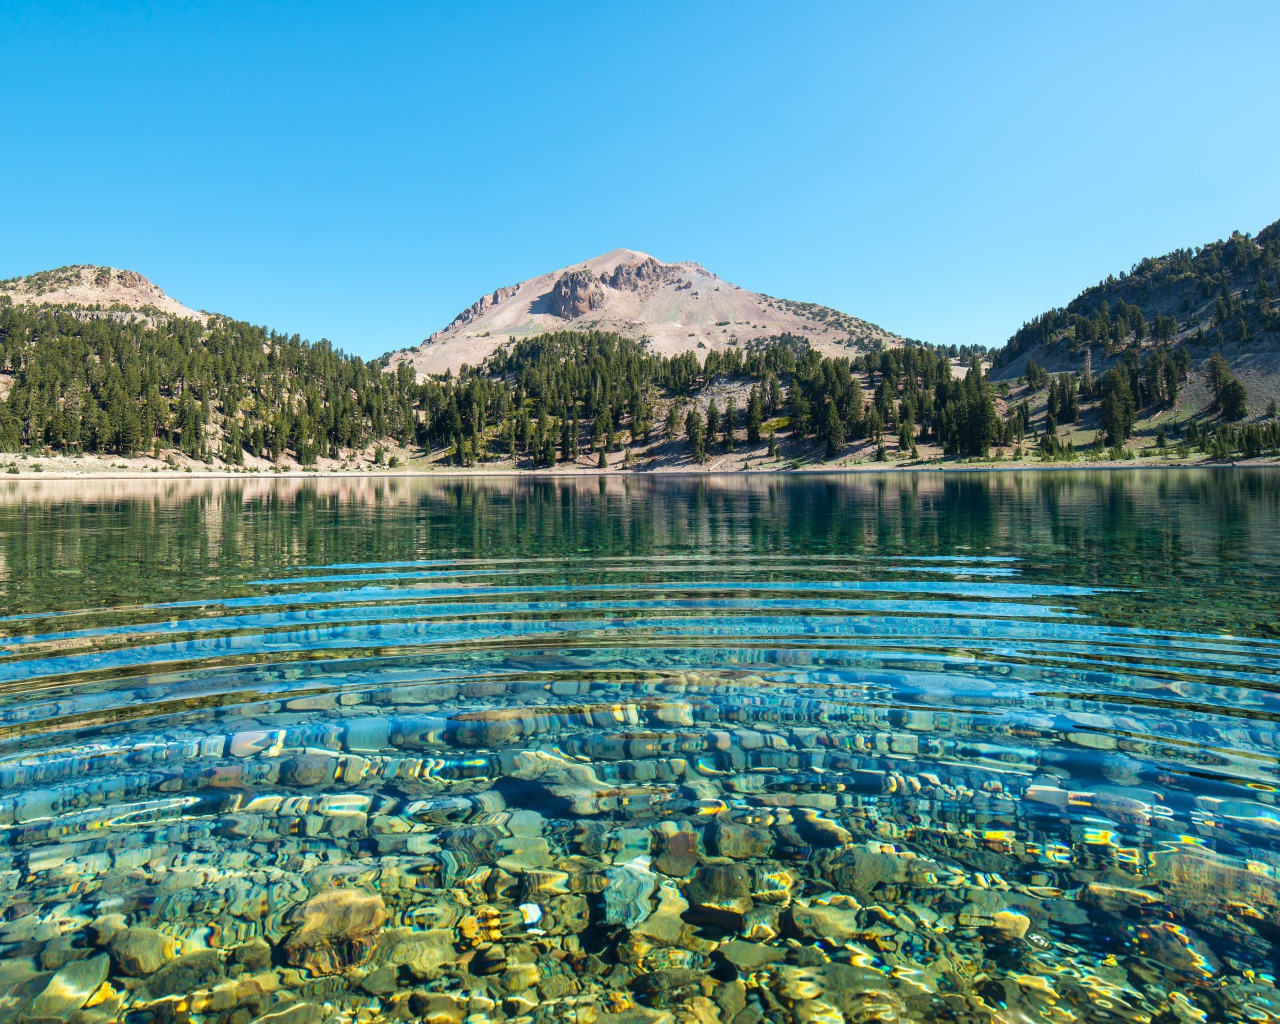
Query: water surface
{"points": [[935, 747]]}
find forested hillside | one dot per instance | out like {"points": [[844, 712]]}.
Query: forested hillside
{"points": [[233, 392], [136, 385], [1219, 298], [554, 397]]}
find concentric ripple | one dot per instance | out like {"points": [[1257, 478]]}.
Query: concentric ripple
{"points": [[887, 748]]}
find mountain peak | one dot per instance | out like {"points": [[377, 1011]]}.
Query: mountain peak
{"points": [[673, 306], [85, 286]]}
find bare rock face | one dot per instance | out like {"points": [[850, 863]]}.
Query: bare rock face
{"points": [[642, 276], [482, 305], [576, 293], [336, 930]]}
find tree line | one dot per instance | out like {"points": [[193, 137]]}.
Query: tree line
{"points": [[80, 382]]}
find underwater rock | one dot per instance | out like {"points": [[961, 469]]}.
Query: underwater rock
{"points": [[859, 870], [298, 1013], [141, 951], [255, 955], [567, 914], [555, 986], [666, 988], [742, 842], [308, 770], [520, 977], [760, 923], [436, 1008], [679, 855], [665, 925], [185, 973], [750, 956], [1113, 899], [731, 998], [1174, 946], [106, 926], [537, 885], [423, 951], [981, 909], [485, 925], [1007, 926], [720, 895], [521, 853], [626, 897], [380, 982], [819, 922], [59, 952], [535, 778], [70, 988], [772, 883], [337, 929], [250, 743]]}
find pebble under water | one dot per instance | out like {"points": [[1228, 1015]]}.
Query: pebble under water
{"points": [[943, 747]]}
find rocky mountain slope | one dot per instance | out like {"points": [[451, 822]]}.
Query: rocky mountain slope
{"points": [[1216, 298], [102, 290], [675, 306]]}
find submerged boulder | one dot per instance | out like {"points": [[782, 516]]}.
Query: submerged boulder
{"points": [[70, 988], [141, 951], [720, 895], [336, 930], [819, 922]]}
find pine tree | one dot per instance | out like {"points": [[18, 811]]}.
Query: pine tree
{"points": [[1117, 409], [694, 432], [833, 431], [755, 416], [566, 439], [773, 394], [673, 420], [1232, 399]]}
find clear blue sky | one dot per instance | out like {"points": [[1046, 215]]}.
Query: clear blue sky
{"points": [[364, 171]]}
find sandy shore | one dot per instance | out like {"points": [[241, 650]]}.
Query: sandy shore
{"points": [[96, 467]]}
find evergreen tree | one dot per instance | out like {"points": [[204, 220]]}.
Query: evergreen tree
{"points": [[773, 394], [833, 431], [906, 432], [1232, 400], [755, 416], [694, 431], [673, 420], [1117, 409], [798, 409]]}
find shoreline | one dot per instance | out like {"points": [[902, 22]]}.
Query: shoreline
{"points": [[545, 473]]}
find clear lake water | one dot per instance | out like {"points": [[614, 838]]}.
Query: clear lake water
{"points": [[628, 750]]}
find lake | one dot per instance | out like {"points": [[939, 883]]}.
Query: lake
{"points": [[619, 750]]}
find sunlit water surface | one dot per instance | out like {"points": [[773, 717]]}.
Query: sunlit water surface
{"points": [[936, 748]]}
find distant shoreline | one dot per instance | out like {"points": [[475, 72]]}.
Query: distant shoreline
{"points": [[545, 473]]}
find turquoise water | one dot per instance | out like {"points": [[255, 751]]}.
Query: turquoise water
{"points": [[922, 747]]}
